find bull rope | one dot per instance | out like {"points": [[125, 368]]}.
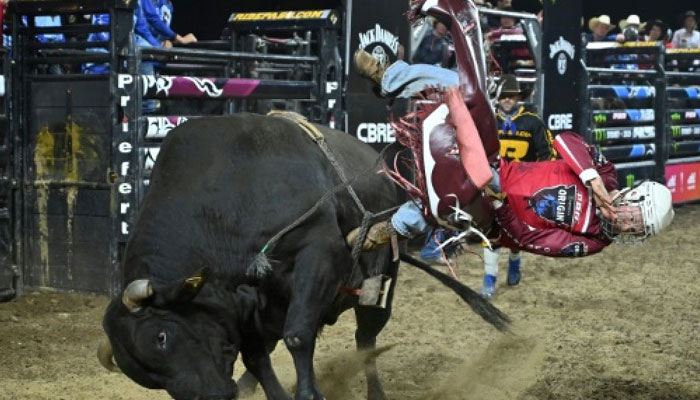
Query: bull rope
{"points": [[261, 266]]}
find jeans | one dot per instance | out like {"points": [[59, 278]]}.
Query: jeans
{"points": [[433, 239], [404, 80], [146, 68], [148, 106], [409, 221]]}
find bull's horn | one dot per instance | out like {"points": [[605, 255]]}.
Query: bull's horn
{"points": [[136, 293], [105, 355]]}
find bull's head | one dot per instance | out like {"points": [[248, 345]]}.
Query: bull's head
{"points": [[180, 336]]}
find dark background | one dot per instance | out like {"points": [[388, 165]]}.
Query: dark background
{"points": [[206, 18]]}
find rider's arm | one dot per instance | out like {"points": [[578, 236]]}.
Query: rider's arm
{"points": [[471, 149], [577, 155], [552, 242], [585, 160]]}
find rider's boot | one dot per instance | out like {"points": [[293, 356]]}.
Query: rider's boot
{"points": [[368, 66], [378, 235]]}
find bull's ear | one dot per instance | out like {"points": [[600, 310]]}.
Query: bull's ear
{"points": [[181, 291]]}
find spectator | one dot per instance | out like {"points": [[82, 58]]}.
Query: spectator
{"points": [[148, 22], [524, 137], [600, 29], [494, 21], [629, 28], [511, 56], [434, 48], [655, 31], [506, 26], [152, 11], [165, 11], [688, 36]]}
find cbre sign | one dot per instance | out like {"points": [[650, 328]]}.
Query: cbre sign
{"points": [[561, 66]]}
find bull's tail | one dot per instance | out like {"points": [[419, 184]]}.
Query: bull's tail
{"points": [[478, 304]]}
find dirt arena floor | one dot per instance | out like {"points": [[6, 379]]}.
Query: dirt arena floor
{"points": [[621, 325]]}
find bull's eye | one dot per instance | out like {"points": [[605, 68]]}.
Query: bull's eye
{"points": [[162, 340]]}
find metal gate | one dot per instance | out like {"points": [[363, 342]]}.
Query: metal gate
{"points": [[63, 158], [9, 273]]}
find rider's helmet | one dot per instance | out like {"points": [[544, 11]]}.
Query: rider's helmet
{"points": [[640, 212]]}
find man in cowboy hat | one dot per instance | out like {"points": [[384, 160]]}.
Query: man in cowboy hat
{"points": [[600, 29], [523, 137], [688, 36], [630, 28]]}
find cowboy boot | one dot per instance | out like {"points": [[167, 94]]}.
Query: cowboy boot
{"points": [[378, 235], [368, 66]]}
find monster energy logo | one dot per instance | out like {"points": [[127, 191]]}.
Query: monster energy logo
{"points": [[676, 117], [675, 131], [630, 180], [599, 135], [600, 118]]}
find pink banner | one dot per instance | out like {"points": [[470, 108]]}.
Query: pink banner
{"points": [[682, 180]]}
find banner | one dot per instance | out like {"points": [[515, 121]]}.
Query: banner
{"points": [[682, 181], [561, 55], [380, 31]]}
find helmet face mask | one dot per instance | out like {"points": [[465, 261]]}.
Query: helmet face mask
{"points": [[640, 212], [628, 226]]}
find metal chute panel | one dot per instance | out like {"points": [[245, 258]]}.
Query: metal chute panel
{"points": [[67, 151]]}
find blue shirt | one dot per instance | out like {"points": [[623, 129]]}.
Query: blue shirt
{"points": [[152, 15], [142, 27], [165, 11]]}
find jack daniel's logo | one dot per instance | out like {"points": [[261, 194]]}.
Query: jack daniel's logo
{"points": [[373, 39]]}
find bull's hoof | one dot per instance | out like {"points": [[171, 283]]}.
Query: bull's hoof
{"points": [[247, 384], [292, 342]]}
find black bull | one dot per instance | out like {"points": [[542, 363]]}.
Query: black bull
{"points": [[220, 189]]}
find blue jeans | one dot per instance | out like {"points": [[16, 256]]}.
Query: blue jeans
{"points": [[148, 106], [146, 68], [404, 80], [433, 239], [409, 221]]}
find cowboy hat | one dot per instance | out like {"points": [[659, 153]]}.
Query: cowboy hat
{"points": [[509, 86], [632, 19], [603, 19]]}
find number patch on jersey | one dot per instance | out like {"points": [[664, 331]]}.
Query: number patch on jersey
{"points": [[514, 149]]}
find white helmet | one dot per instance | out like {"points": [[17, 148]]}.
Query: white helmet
{"points": [[654, 204]]}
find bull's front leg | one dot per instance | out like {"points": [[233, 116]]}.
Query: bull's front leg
{"points": [[315, 285], [370, 321], [256, 358]]}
